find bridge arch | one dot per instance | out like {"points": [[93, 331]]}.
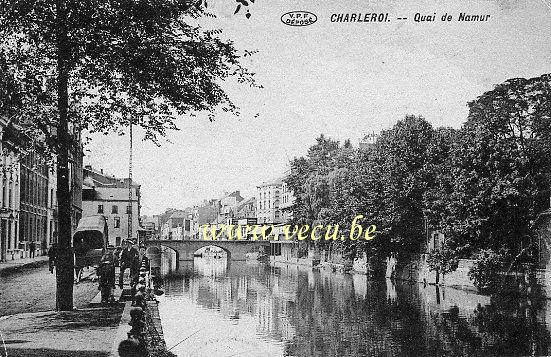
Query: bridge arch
{"points": [[176, 255], [225, 250]]}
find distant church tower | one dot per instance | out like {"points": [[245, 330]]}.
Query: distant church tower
{"points": [[368, 140]]}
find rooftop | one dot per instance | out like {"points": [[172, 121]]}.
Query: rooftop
{"points": [[99, 178], [276, 182]]}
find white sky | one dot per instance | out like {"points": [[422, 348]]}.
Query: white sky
{"points": [[340, 79]]}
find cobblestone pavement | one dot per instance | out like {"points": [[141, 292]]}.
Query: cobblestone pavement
{"points": [[32, 289], [30, 328], [82, 333]]}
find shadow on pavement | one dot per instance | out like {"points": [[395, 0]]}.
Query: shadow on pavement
{"points": [[48, 352]]}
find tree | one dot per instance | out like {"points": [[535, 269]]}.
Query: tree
{"points": [[71, 65], [400, 160], [501, 168], [308, 180], [439, 174], [438, 169]]}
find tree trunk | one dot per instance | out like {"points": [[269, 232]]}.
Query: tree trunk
{"points": [[524, 250], [65, 258]]}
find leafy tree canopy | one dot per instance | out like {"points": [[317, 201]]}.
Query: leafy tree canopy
{"points": [[501, 166], [133, 60]]}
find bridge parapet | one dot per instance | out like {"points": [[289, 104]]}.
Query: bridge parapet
{"points": [[236, 249]]}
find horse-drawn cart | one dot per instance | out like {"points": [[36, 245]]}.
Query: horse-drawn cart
{"points": [[89, 242]]}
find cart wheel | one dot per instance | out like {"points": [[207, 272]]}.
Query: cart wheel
{"points": [[78, 272]]}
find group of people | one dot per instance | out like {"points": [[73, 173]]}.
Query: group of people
{"points": [[129, 258]]}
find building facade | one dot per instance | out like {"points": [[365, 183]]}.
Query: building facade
{"points": [[150, 227], [287, 200], [10, 247], [110, 197], [268, 202], [34, 195], [180, 226], [227, 204], [245, 209], [28, 207]]}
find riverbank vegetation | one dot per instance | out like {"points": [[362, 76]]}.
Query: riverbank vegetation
{"points": [[482, 185]]}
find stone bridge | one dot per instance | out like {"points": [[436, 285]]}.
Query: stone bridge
{"points": [[235, 249]]}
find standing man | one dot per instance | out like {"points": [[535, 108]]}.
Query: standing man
{"points": [[106, 275], [52, 256], [135, 266], [32, 248], [143, 258], [128, 256]]}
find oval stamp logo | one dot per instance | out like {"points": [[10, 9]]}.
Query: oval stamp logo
{"points": [[298, 18]]}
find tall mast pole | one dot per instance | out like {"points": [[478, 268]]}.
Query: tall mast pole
{"points": [[130, 210]]}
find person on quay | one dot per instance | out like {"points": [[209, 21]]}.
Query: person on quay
{"points": [[136, 264], [52, 257], [127, 260], [32, 248], [143, 258], [106, 278]]}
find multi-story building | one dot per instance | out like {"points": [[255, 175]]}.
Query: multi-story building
{"points": [[287, 200], [33, 216], [206, 213], [175, 220], [110, 196], [9, 206], [28, 210], [150, 226], [268, 202], [226, 205], [246, 209], [179, 226]]}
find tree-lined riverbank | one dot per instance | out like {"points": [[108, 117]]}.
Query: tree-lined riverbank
{"points": [[476, 192]]}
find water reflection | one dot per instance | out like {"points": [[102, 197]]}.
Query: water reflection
{"points": [[222, 309]]}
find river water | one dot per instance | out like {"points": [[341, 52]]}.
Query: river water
{"points": [[218, 308]]}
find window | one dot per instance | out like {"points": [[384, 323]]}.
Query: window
{"points": [[128, 209], [100, 208], [276, 249], [4, 200], [115, 209], [117, 223], [117, 241]]}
